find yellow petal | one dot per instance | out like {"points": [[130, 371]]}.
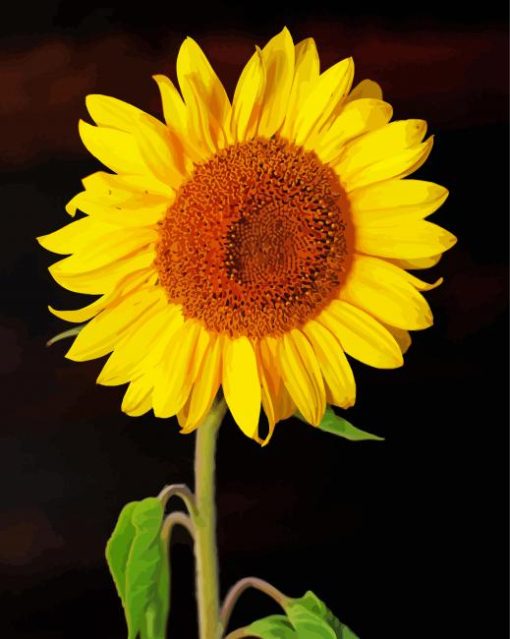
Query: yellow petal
{"points": [[120, 188], [398, 166], [126, 359], [71, 207], [178, 121], [335, 368], [173, 378], [151, 135], [107, 186], [115, 149], [158, 153], [268, 404], [134, 211], [80, 315], [414, 240], [378, 145], [74, 236], [104, 279], [116, 189], [324, 96], [149, 362], [206, 384], [138, 397], [361, 336], [395, 202], [241, 384], [269, 394], [116, 114], [283, 404], [247, 103], [202, 343], [267, 349], [365, 89], [174, 109], [403, 338], [204, 95], [355, 119], [306, 73], [419, 262], [182, 416], [420, 285], [386, 292], [302, 375], [128, 284], [278, 59], [107, 248], [101, 334]]}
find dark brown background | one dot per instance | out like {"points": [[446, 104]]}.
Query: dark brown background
{"points": [[403, 539]]}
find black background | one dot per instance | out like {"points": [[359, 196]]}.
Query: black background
{"points": [[406, 538]]}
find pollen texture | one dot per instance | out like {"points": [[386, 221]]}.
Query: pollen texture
{"points": [[257, 241]]}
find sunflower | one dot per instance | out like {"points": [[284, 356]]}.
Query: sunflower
{"points": [[250, 245]]}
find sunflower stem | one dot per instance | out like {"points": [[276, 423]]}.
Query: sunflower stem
{"points": [[204, 519], [237, 590]]}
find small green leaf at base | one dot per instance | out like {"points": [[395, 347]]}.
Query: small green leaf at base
{"points": [[307, 618], [333, 423], [272, 627], [313, 620], [137, 558]]}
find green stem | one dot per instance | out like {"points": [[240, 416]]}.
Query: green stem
{"points": [[176, 518], [237, 590], [172, 520], [204, 520], [181, 491]]}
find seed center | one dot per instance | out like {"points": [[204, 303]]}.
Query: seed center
{"points": [[257, 241]]}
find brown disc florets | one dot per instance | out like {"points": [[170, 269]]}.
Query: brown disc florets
{"points": [[257, 241]]}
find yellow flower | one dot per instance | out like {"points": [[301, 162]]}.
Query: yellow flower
{"points": [[250, 245]]}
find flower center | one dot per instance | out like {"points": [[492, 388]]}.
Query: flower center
{"points": [[257, 241]]}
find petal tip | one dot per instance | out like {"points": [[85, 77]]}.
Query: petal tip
{"points": [[84, 129], [73, 356], [71, 207], [40, 239], [399, 360], [91, 99], [451, 239]]}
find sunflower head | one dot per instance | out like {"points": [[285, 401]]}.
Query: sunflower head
{"points": [[249, 245]]}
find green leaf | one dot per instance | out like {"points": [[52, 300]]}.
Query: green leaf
{"points": [[71, 332], [157, 612], [309, 625], [313, 620], [307, 618], [117, 548], [341, 630], [311, 602], [137, 558], [272, 627], [333, 423]]}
